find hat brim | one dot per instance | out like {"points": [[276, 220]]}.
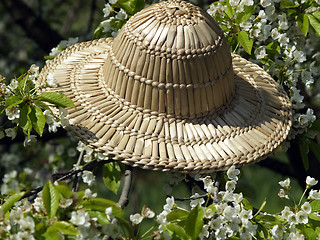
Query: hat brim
{"points": [[252, 124]]}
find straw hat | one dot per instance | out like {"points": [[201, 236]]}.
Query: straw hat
{"points": [[166, 94]]}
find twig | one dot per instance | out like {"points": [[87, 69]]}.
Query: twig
{"points": [[217, 185], [75, 185], [123, 200], [189, 198], [89, 167]]}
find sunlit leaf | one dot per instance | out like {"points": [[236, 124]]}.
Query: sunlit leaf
{"points": [[177, 231], [38, 120], [13, 101], [314, 22], [245, 41], [177, 214], [11, 201], [56, 98], [65, 228], [50, 196], [303, 23], [194, 222], [112, 176]]}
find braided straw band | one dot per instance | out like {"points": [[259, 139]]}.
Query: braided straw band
{"points": [[252, 123]]}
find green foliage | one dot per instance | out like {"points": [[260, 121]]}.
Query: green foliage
{"points": [[50, 196], [130, 6], [56, 98], [11, 201], [21, 94], [112, 174]]}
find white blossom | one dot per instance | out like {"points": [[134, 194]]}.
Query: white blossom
{"points": [[88, 177], [196, 201], [292, 219], [13, 113], [64, 203], [283, 22], [265, 3], [80, 218], [286, 212], [107, 10], [51, 81], [233, 173], [302, 217], [306, 207], [122, 15], [282, 194], [29, 140], [106, 26], [314, 194], [11, 132], [231, 185], [136, 218], [311, 181], [299, 56], [27, 224], [260, 52], [147, 212], [277, 232], [285, 183], [169, 204], [113, 1]]}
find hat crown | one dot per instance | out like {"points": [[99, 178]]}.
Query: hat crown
{"points": [[171, 58]]}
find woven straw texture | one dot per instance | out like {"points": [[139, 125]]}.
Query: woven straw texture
{"points": [[166, 94]]}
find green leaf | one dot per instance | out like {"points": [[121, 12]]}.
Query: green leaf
{"points": [[261, 207], [11, 201], [315, 148], [316, 14], [23, 81], [101, 216], [229, 10], [287, 4], [315, 205], [314, 217], [177, 214], [245, 41], [246, 204], [309, 233], [268, 219], [56, 98], [99, 204], [42, 105], [273, 47], [303, 146], [177, 231], [112, 176], [65, 228], [64, 190], [303, 23], [24, 119], [13, 101], [245, 14], [50, 196], [314, 22], [51, 234], [131, 6], [38, 120], [194, 222]]}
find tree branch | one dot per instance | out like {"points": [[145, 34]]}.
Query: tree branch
{"points": [[34, 26], [123, 200], [89, 167]]}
